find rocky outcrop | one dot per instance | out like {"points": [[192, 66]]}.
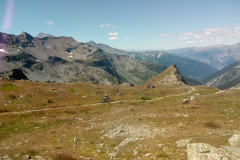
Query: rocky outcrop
{"points": [[171, 76], [17, 74], [202, 151]]}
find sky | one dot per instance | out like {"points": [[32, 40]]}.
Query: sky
{"points": [[127, 24]]}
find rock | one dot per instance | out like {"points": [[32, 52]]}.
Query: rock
{"points": [[183, 143], [5, 158], [232, 153], [131, 85], [28, 157], [160, 145], [17, 74], [112, 155], [135, 152], [150, 86], [234, 141], [186, 100], [126, 141], [74, 138], [202, 151], [147, 154], [38, 158]]}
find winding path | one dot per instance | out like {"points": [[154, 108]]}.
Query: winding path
{"points": [[95, 104]]}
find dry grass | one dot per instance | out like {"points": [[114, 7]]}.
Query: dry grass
{"points": [[63, 156], [163, 119]]}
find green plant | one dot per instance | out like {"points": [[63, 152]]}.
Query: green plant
{"points": [[145, 98], [71, 90]]}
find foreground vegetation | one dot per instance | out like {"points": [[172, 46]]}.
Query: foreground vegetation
{"points": [[68, 121]]}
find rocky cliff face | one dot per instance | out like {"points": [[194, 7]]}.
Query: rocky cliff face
{"points": [[64, 59]]}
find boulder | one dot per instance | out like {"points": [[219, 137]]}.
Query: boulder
{"points": [[202, 151], [234, 141], [150, 86]]}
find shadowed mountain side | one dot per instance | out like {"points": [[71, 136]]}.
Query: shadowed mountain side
{"points": [[225, 78]]}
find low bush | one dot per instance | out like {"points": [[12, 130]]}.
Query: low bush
{"points": [[146, 98], [212, 124]]}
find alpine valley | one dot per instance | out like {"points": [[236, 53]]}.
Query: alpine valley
{"points": [[63, 59]]}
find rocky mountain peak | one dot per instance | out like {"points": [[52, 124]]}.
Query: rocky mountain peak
{"points": [[171, 76], [43, 35], [26, 36]]}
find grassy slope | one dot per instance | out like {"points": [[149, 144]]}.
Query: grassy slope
{"points": [[154, 116]]}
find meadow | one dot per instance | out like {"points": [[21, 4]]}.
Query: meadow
{"points": [[68, 120]]}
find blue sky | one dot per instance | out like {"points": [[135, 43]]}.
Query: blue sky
{"points": [[127, 24]]}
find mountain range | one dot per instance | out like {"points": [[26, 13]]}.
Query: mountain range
{"points": [[219, 56], [192, 69], [213, 66], [64, 59], [225, 78]]}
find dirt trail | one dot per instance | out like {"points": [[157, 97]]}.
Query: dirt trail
{"points": [[95, 104]]}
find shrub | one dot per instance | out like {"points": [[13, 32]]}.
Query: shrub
{"points": [[71, 90], [211, 124], [12, 96], [146, 98], [50, 101], [3, 110]]}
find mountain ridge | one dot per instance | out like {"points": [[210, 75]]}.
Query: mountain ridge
{"points": [[64, 59], [187, 66], [225, 78]]}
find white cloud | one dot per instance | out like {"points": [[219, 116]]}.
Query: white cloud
{"points": [[207, 35], [189, 42], [167, 34], [112, 38], [104, 25], [187, 34], [50, 24], [113, 33], [183, 39]]}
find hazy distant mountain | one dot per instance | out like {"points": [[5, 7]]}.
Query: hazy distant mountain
{"points": [[225, 78], [43, 35], [64, 59], [188, 67], [107, 48], [218, 56]]}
